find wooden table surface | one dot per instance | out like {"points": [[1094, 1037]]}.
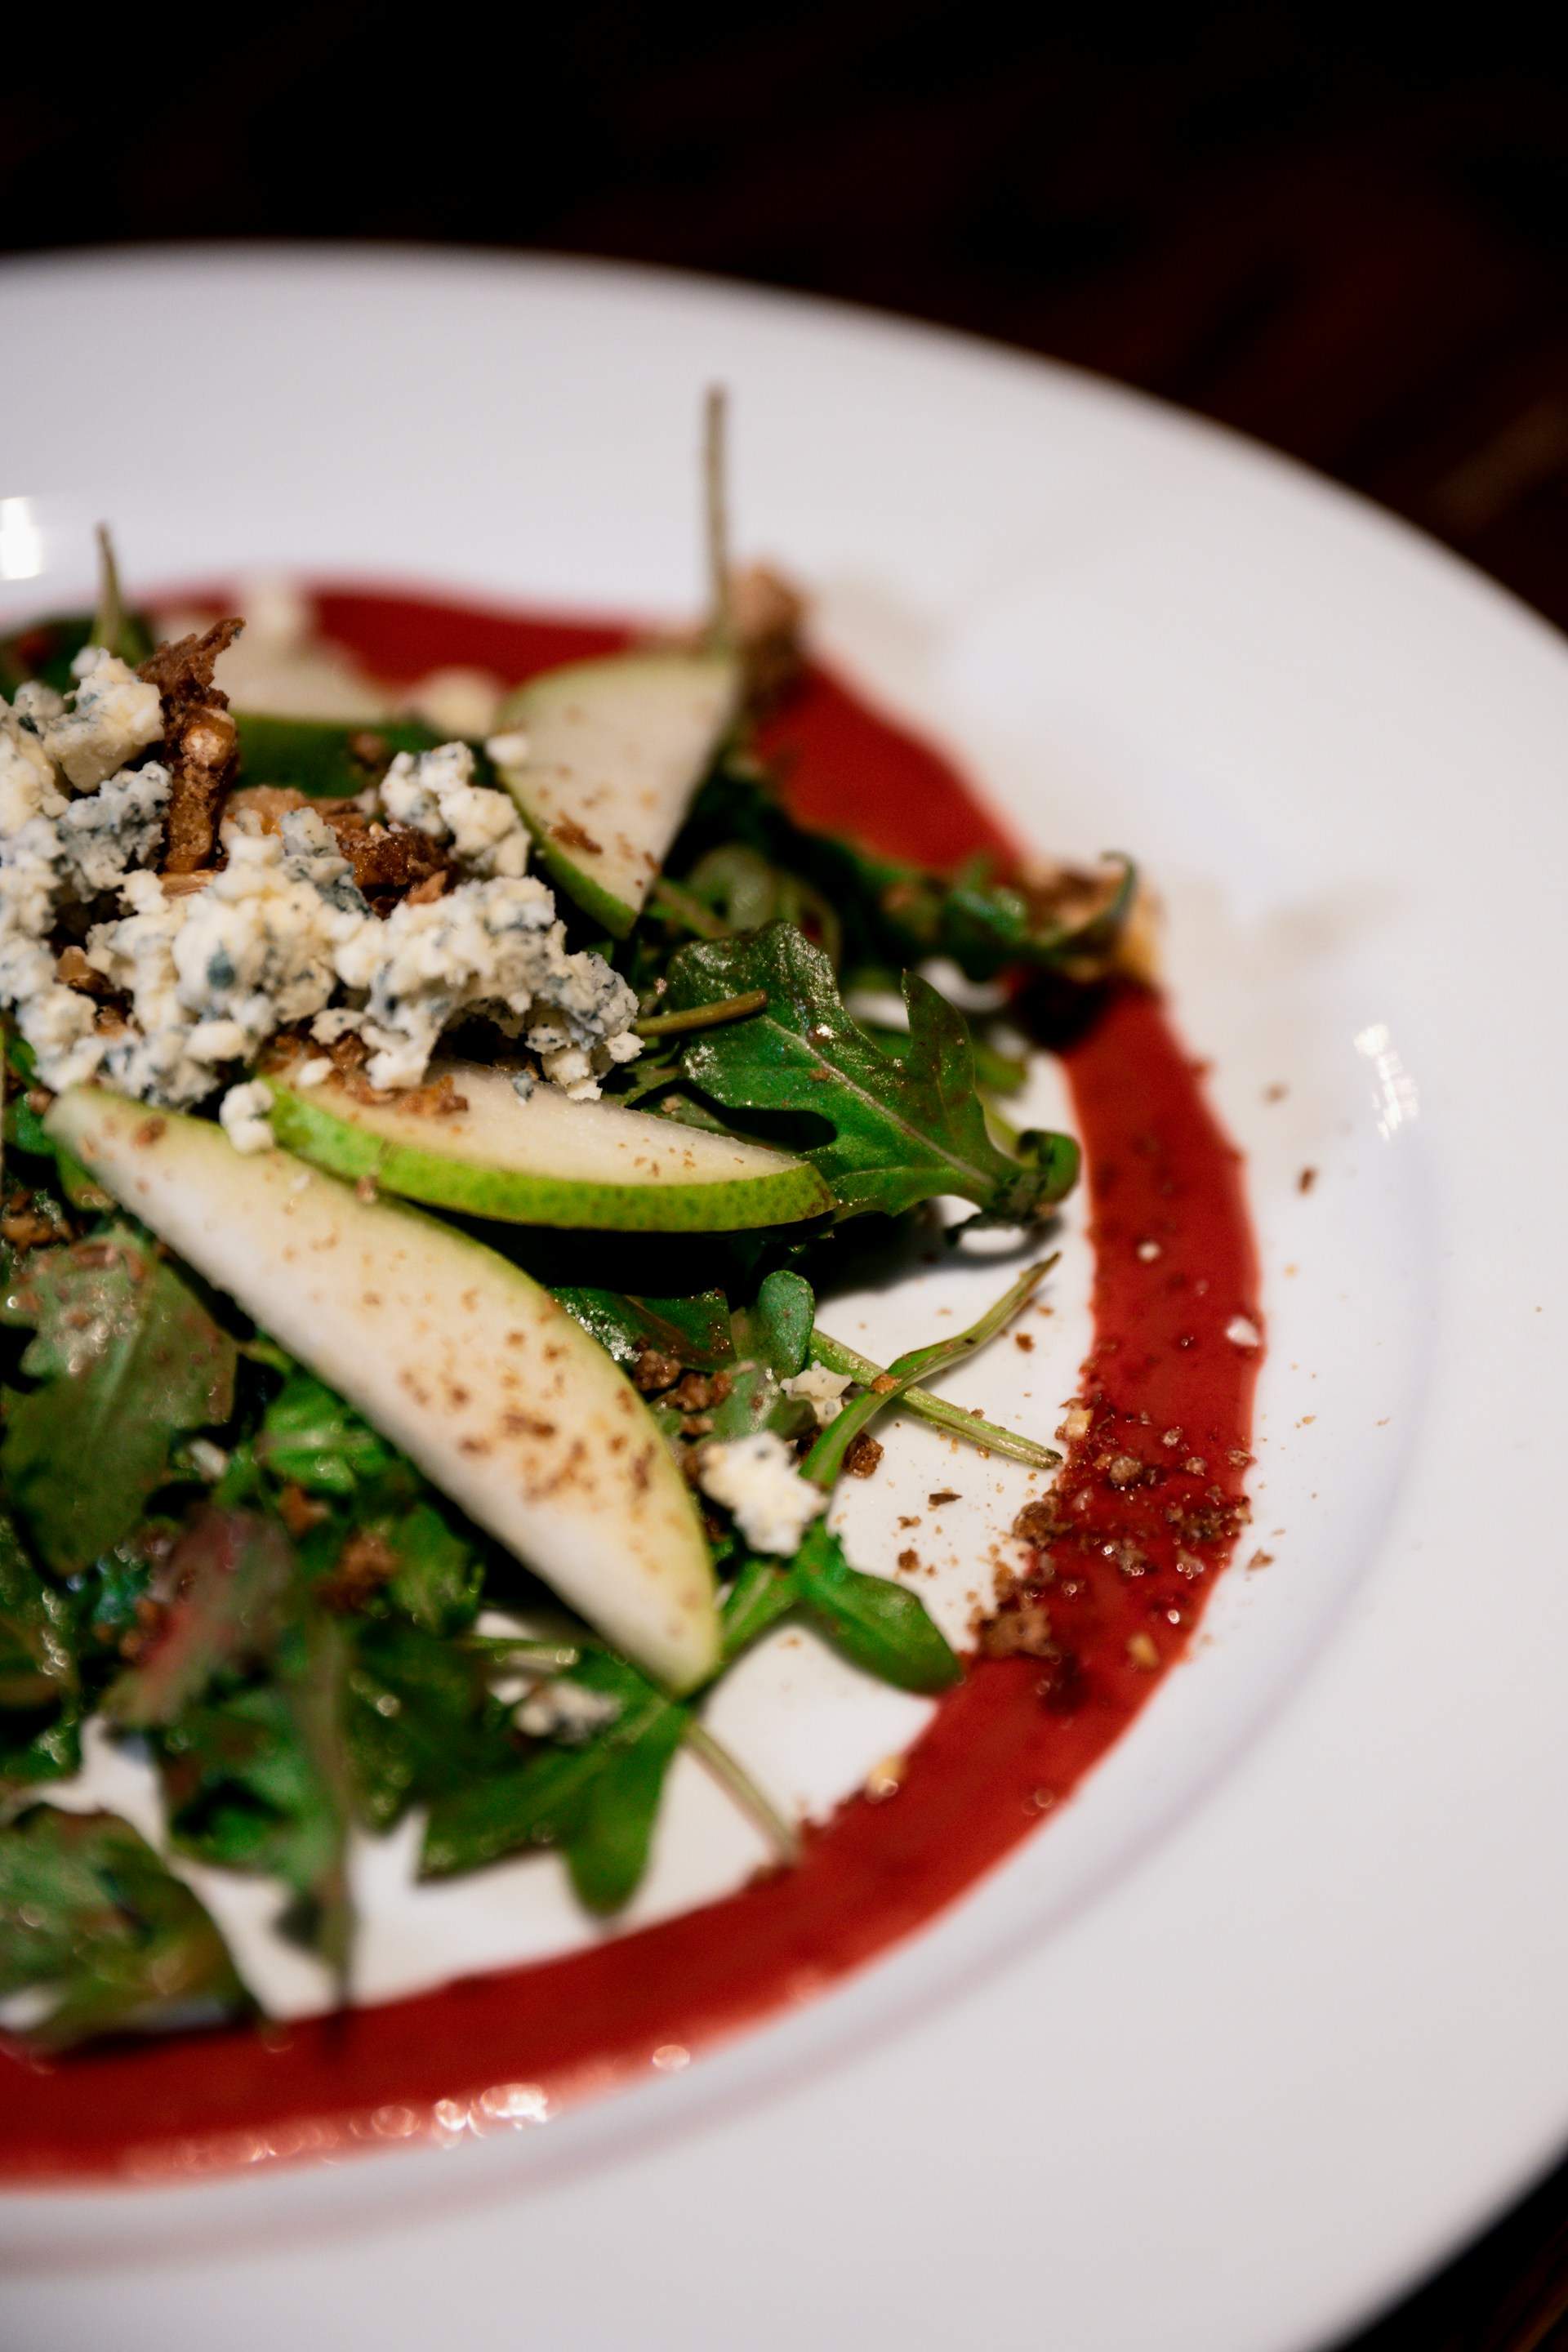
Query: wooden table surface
{"points": [[1341, 230]]}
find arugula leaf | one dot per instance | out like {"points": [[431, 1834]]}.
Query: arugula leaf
{"points": [[311, 1438], [596, 1801], [879, 1626], [756, 1400], [256, 1781], [418, 1720], [92, 1920], [25, 1129], [127, 1360], [755, 1348], [744, 858], [232, 1575], [904, 1130], [776, 1330], [694, 1330], [44, 650], [762, 1593], [40, 1688], [328, 758], [438, 1577], [612, 1833]]}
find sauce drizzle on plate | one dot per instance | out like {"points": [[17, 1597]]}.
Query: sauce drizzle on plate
{"points": [[1142, 1523]]}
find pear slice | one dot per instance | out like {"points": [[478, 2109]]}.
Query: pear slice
{"points": [[546, 1161], [615, 751], [455, 1355]]}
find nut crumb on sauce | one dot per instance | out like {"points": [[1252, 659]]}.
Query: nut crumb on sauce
{"points": [[1143, 1651], [886, 1779], [1021, 1629], [1037, 1522]]}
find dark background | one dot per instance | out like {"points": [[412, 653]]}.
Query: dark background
{"points": [[1344, 231]]}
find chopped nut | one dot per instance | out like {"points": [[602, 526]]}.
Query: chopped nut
{"points": [[364, 1564], [298, 1511], [1143, 1652], [864, 1456], [201, 741], [1037, 1522], [1021, 1628]]}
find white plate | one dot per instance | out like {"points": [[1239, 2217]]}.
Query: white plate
{"points": [[1272, 2013]]}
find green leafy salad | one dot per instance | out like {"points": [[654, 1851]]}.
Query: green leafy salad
{"points": [[428, 1151]]}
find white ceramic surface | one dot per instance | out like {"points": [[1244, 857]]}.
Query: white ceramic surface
{"points": [[1272, 2012]]}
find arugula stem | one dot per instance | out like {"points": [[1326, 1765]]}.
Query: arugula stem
{"points": [[669, 899], [732, 1775], [527, 1657], [834, 1357], [716, 516], [703, 1016], [826, 1459], [109, 621]]}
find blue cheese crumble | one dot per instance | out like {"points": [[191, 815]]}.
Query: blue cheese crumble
{"points": [[755, 1478], [436, 792], [111, 716], [494, 947], [822, 1390], [242, 1115], [281, 936], [57, 853]]}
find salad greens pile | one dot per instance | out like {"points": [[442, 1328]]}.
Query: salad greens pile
{"points": [[207, 1553]]}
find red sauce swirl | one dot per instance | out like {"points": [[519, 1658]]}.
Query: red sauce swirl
{"points": [[1145, 1514]]}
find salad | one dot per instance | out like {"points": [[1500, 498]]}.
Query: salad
{"points": [[434, 1130]]}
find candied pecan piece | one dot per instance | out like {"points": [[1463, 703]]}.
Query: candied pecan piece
{"points": [[201, 742]]}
